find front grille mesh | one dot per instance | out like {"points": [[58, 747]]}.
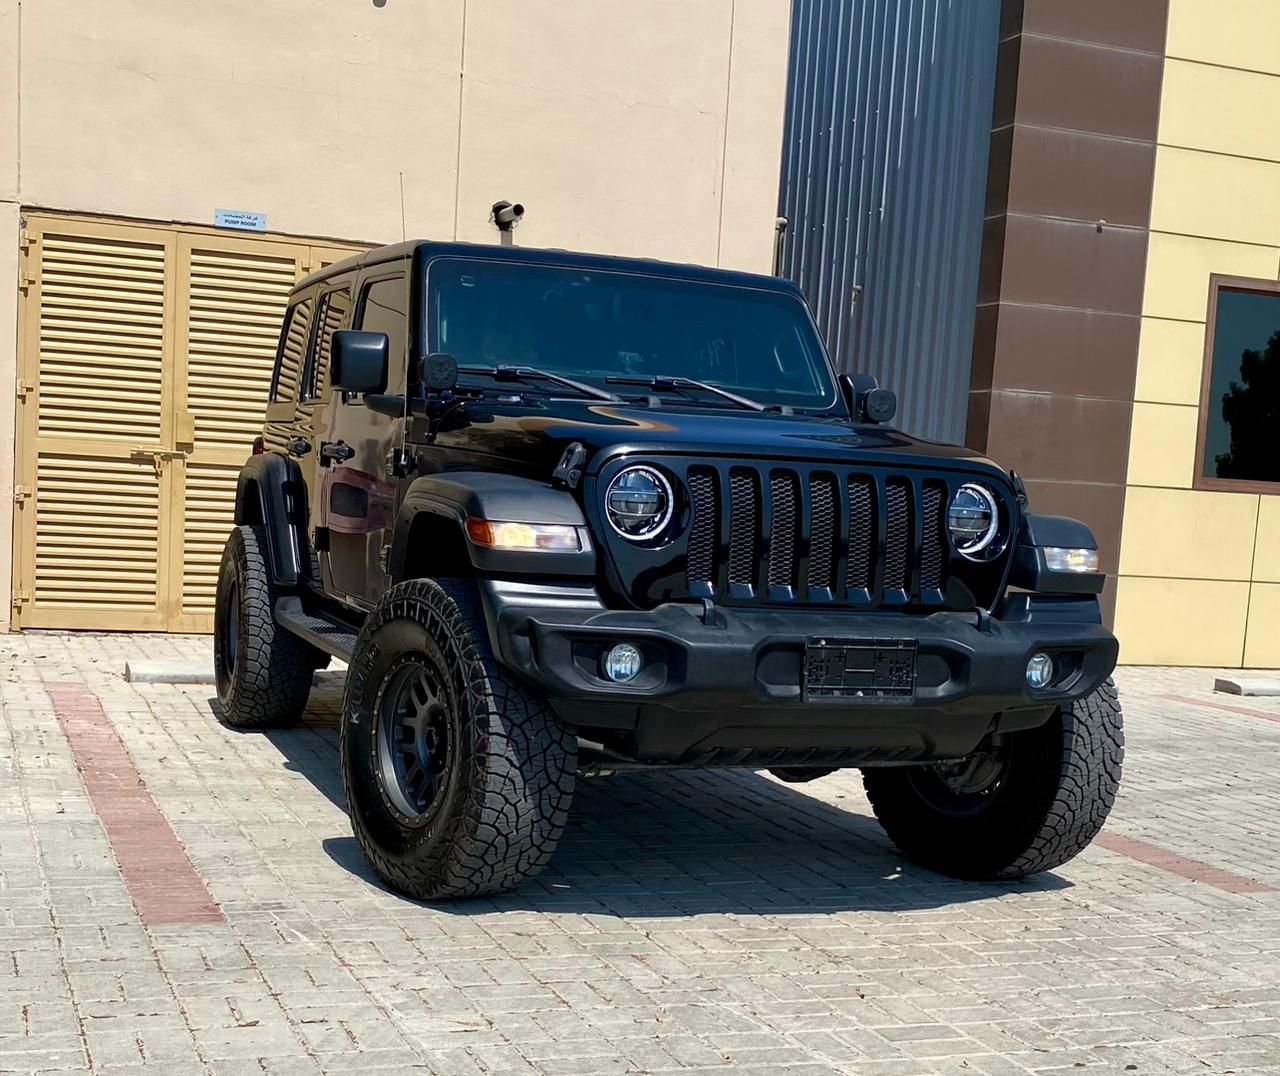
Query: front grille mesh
{"points": [[862, 532], [933, 543], [795, 534], [702, 532], [784, 491], [744, 525], [822, 541], [897, 535]]}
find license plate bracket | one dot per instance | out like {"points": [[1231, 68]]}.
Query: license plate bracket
{"points": [[838, 670]]}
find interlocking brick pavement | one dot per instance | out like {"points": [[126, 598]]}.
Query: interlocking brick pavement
{"points": [[691, 922]]}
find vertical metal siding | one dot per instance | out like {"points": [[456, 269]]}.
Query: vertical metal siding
{"points": [[883, 178]]}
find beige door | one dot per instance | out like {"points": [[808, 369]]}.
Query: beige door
{"points": [[146, 355]]}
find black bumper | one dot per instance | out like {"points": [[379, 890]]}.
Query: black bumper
{"points": [[725, 686]]}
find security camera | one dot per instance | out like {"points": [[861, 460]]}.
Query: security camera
{"points": [[506, 215]]}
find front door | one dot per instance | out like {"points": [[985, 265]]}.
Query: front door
{"points": [[358, 496]]}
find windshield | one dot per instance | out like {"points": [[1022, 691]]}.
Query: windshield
{"points": [[591, 325]]}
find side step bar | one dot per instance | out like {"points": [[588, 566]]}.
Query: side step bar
{"points": [[331, 636]]}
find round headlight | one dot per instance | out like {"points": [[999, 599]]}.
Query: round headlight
{"points": [[974, 521], [638, 502]]}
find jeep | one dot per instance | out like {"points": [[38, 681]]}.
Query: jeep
{"points": [[565, 514]]}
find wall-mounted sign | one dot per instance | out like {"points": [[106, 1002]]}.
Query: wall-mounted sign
{"points": [[239, 218]]}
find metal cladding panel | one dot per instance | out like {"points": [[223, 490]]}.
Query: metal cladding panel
{"points": [[884, 170]]}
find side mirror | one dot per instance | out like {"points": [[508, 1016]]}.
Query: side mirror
{"points": [[867, 402], [358, 362], [880, 405], [438, 372]]}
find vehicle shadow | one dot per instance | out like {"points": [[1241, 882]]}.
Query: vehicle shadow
{"points": [[684, 842]]}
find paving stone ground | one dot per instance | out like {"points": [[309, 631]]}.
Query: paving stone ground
{"points": [[692, 922]]}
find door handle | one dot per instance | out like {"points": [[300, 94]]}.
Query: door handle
{"points": [[335, 451], [159, 455], [297, 446]]}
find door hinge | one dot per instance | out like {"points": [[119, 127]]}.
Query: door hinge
{"points": [[20, 494], [20, 598], [26, 245], [23, 387]]}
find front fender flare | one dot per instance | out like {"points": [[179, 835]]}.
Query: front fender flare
{"points": [[461, 495]]}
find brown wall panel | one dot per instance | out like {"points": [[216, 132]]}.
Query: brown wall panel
{"points": [[1123, 24], [1076, 174], [1071, 263], [1060, 296], [1084, 87], [1062, 350], [1058, 437]]}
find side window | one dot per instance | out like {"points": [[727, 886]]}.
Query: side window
{"points": [[382, 310], [293, 349], [334, 308]]}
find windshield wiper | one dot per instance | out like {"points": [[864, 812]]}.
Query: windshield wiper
{"points": [[529, 373], [663, 383]]}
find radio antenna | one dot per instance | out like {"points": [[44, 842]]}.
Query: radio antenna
{"points": [[404, 232]]}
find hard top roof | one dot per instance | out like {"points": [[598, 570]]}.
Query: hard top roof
{"points": [[424, 250]]}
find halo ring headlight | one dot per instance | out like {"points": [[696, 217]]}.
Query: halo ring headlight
{"points": [[639, 502], [973, 519]]}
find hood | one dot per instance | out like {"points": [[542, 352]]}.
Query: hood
{"points": [[536, 436]]}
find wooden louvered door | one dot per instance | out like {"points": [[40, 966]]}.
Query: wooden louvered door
{"points": [[231, 297], [146, 358], [93, 511]]}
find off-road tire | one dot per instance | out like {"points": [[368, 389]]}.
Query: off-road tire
{"points": [[269, 679], [505, 797], [1057, 790]]}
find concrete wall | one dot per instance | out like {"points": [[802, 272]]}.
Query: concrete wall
{"points": [[649, 129], [1200, 571]]}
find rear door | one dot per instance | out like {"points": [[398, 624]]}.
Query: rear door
{"points": [[314, 413]]}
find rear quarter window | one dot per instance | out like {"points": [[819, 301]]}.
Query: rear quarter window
{"points": [[293, 350]]}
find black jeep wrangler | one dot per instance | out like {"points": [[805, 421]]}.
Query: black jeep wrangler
{"points": [[566, 514]]}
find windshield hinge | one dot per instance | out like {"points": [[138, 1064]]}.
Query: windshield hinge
{"points": [[568, 471]]}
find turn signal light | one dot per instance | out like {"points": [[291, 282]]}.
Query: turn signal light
{"points": [[534, 537], [1062, 559]]}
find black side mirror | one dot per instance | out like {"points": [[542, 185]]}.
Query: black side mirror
{"points": [[358, 362], [866, 400], [880, 405], [438, 372]]}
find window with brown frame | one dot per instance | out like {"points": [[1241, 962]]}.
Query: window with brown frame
{"points": [[1238, 444]]}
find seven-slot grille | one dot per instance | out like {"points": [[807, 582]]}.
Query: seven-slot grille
{"points": [[776, 533]]}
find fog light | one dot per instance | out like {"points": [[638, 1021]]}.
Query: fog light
{"points": [[1039, 671], [622, 663]]}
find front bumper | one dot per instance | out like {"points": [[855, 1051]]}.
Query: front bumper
{"points": [[731, 678]]}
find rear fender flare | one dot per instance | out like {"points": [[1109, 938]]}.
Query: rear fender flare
{"points": [[270, 491]]}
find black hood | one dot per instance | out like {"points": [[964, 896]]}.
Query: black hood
{"points": [[535, 436]]}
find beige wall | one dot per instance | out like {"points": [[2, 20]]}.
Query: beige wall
{"points": [[1200, 571], [622, 128], [649, 129]]}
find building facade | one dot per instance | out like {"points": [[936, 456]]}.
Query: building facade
{"points": [[1118, 278], [1053, 227], [1132, 220], [138, 332]]}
